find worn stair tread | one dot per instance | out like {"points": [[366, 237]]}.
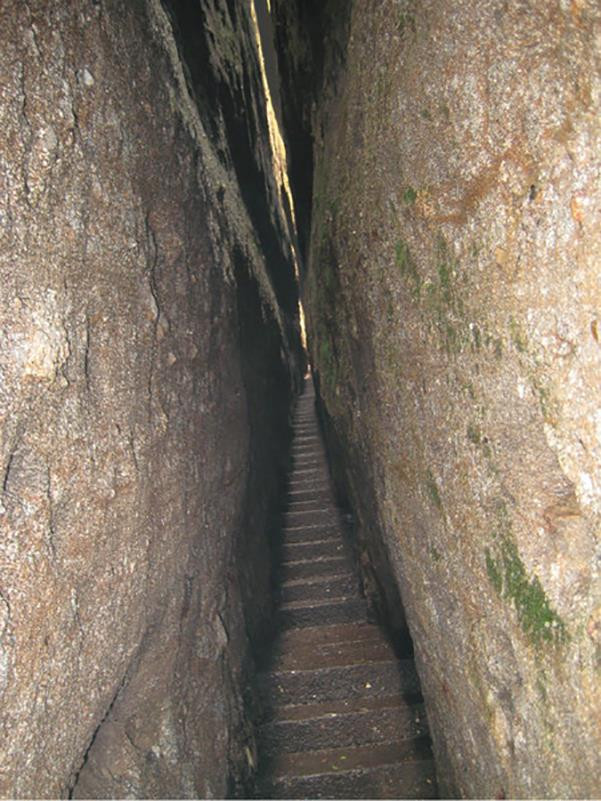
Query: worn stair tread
{"points": [[324, 510], [313, 567], [308, 535], [315, 581], [414, 779], [301, 496], [309, 503], [404, 704], [336, 760], [311, 534], [311, 516], [311, 492], [300, 614], [312, 521], [336, 633], [308, 559], [322, 603], [307, 485], [322, 495], [298, 551], [311, 528], [341, 569], [354, 727], [334, 654], [341, 582], [316, 588], [337, 682], [326, 535], [331, 522]]}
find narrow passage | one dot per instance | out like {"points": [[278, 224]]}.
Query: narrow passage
{"points": [[343, 716]]}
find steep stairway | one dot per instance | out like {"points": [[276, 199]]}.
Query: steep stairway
{"points": [[343, 715]]}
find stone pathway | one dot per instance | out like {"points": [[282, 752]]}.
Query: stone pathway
{"points": [[343, 715]]}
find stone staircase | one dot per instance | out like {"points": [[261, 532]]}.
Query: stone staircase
{"points": [[343, 716]]}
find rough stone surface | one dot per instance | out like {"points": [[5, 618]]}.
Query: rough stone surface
{"points": [[147, 354], [452, 296]]}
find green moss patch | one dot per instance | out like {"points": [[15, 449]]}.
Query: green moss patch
{"points": [[474, 434], [408, 269], [433, 492], [409, 196], [508, 576], [518, 337]]}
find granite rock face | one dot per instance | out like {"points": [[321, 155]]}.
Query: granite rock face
{"points": [[452, 295], [148, 352]]}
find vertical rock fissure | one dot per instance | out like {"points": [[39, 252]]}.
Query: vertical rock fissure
{"points": [[440, 207]]}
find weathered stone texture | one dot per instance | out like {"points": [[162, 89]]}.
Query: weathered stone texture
{"points": [[129, 387], [453, 304]]}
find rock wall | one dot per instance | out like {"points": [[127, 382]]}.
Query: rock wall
{"points": [[452, 296], [149, 349]]}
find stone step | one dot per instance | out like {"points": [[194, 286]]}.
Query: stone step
{"points": [[332, 523], [310, 452], [310, 504], [299, 550], [312, 470], [313, 567], [316, 493], [333, 654], [304, 439], [308, 461], [311, 517], [402, 770], [337, 682], [306, 534], [307, 454], [307, 448], [313, 506], [300, 614], [304, 484], [305, 451], [319, 587], [310, 473], [336, 724], [311, 495], [310, 639]]}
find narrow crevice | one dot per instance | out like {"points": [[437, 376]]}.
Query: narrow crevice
{"points": [[72, 786], [223, 575], [340, 709]]}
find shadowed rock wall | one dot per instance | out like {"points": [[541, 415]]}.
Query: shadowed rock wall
{"points": [[148, 354], [452, 297]]}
